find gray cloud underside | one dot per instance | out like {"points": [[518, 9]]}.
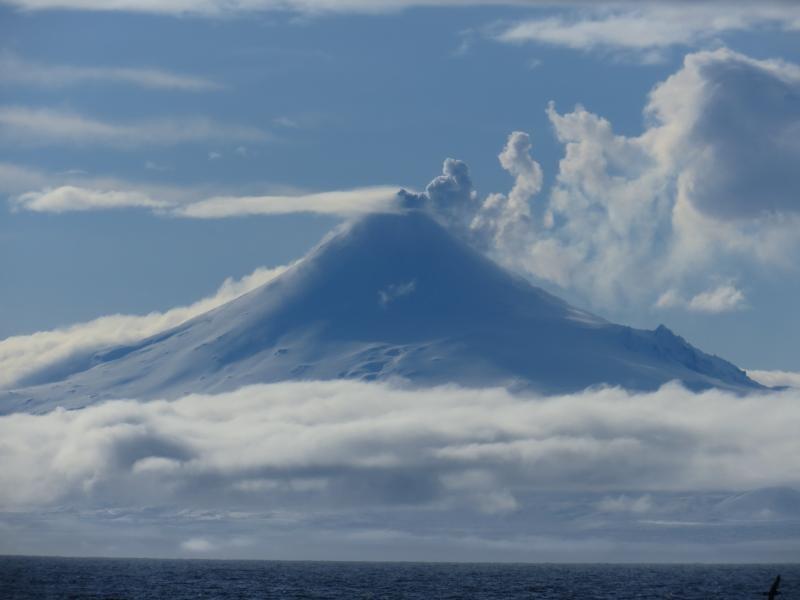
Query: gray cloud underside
{"points": [[382, 469]]}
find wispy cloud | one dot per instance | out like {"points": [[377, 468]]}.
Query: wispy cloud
{"points": [[70, 198], [344, 203], [648, 26], [621, 24], [152, 165], [213, 8], [15, 179], [43, 126], [14, 69]]}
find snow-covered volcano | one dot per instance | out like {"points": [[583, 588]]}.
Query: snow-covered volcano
{"points": [[389, 296]]}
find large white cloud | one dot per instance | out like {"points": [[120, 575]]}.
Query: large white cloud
{"points": [[25, 354], [359, 459], [671, 217], [304, 436]]}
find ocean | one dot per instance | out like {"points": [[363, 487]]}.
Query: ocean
{"points": [[118, 579]]}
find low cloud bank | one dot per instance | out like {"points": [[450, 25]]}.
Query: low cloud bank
{"points": [[349, 444], [344, 469]]}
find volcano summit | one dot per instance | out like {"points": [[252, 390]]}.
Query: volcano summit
{"points": [[390, 296]]}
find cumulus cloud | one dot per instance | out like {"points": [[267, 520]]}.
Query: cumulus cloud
{"points": [[504, 217], [164, 201], [707, 191], [731, 124], [648, 27], [688, 195], [23, 355], [14, 69], [38, 126], [355, 458]]}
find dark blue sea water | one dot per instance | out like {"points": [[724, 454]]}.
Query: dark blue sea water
{"points": [[74, 578]]}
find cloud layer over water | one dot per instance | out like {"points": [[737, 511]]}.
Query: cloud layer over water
{"points": [[383, 457]]}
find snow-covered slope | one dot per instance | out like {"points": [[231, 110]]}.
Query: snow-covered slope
{"points": [[391, 295]]}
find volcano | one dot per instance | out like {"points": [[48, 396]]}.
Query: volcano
{"points": [[387, 297]]}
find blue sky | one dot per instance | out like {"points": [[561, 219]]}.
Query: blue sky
{"points": [[254, 100]]}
